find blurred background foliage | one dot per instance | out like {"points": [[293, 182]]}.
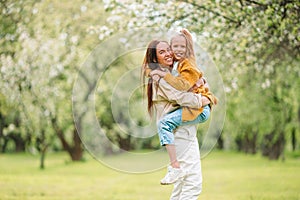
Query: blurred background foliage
{"points": [[254, 43]]}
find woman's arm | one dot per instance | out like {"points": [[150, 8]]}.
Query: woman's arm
{"points": [[182, 98]]}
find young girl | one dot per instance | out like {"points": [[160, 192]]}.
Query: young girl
{"points": [[185, 76]]}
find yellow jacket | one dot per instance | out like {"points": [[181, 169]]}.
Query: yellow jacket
{"points": [[189, 75]]}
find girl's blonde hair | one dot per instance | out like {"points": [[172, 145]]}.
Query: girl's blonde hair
{"points": [[190, 54]]}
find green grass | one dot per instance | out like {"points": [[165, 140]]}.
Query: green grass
{"points": [[238, 176], [227, 176]]}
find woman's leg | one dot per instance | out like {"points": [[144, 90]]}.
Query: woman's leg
{"points": [[188, 154]]}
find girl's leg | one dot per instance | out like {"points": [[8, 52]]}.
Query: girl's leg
{"points": [[172, 155], [172, 120], [200, 119], [165, 130], [174, 171], [166, 135], [167, 125]]}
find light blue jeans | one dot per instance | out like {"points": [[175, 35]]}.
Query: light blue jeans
{"points": [[172, 120]]}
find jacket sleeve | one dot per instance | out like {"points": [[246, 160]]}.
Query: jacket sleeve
{"points": [[189, 75], [178, 82], [182, 98]]}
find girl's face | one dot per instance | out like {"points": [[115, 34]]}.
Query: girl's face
{"points": [[179, 47], [164, 54]]}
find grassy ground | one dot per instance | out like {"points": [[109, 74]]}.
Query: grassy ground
{"points": [[227, 176]]}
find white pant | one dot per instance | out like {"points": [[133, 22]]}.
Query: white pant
{"points": [[188, 154]]}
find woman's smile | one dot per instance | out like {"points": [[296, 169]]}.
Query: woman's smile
{"points": [[164, 54]]}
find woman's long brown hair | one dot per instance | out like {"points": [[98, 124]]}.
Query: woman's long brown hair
{"points": [[150, 63]]}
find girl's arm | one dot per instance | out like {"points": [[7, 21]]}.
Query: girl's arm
{"points": [[183, 82], [177, 82], [189, 72], [189, 75]]}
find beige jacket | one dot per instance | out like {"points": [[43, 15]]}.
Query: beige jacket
{"points": [[166, 98]]}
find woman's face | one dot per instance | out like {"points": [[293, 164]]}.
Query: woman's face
{"points": [[179, 47], [164, 54]]}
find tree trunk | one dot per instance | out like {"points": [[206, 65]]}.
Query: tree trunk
{"points": [[4, 145], [250, 142], [42, 146], [43, 156], [273, 145], [124, 143], [2, 139], [294, 139], [17, 137], [247, 142], [220, 144], [76, 150], [19, 142]]}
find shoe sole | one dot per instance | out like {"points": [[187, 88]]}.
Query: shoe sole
{"points": [[166, 183], [174, 181]]}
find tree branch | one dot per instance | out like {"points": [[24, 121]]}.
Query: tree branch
{"points": [[241, 2], [213, 12], [256, 3]]}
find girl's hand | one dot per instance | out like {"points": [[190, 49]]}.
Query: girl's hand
{"points": [[205, 83], [205, 101], [158, 72], [200, 82]]}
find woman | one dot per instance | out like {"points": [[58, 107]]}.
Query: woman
{"points": [[162, 99], [184, 77]]}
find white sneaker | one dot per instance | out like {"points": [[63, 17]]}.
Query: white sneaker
{"points": [[172, 176]]}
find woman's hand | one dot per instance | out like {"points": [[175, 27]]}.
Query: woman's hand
{"points": [[155, 77], [158, 72]]}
